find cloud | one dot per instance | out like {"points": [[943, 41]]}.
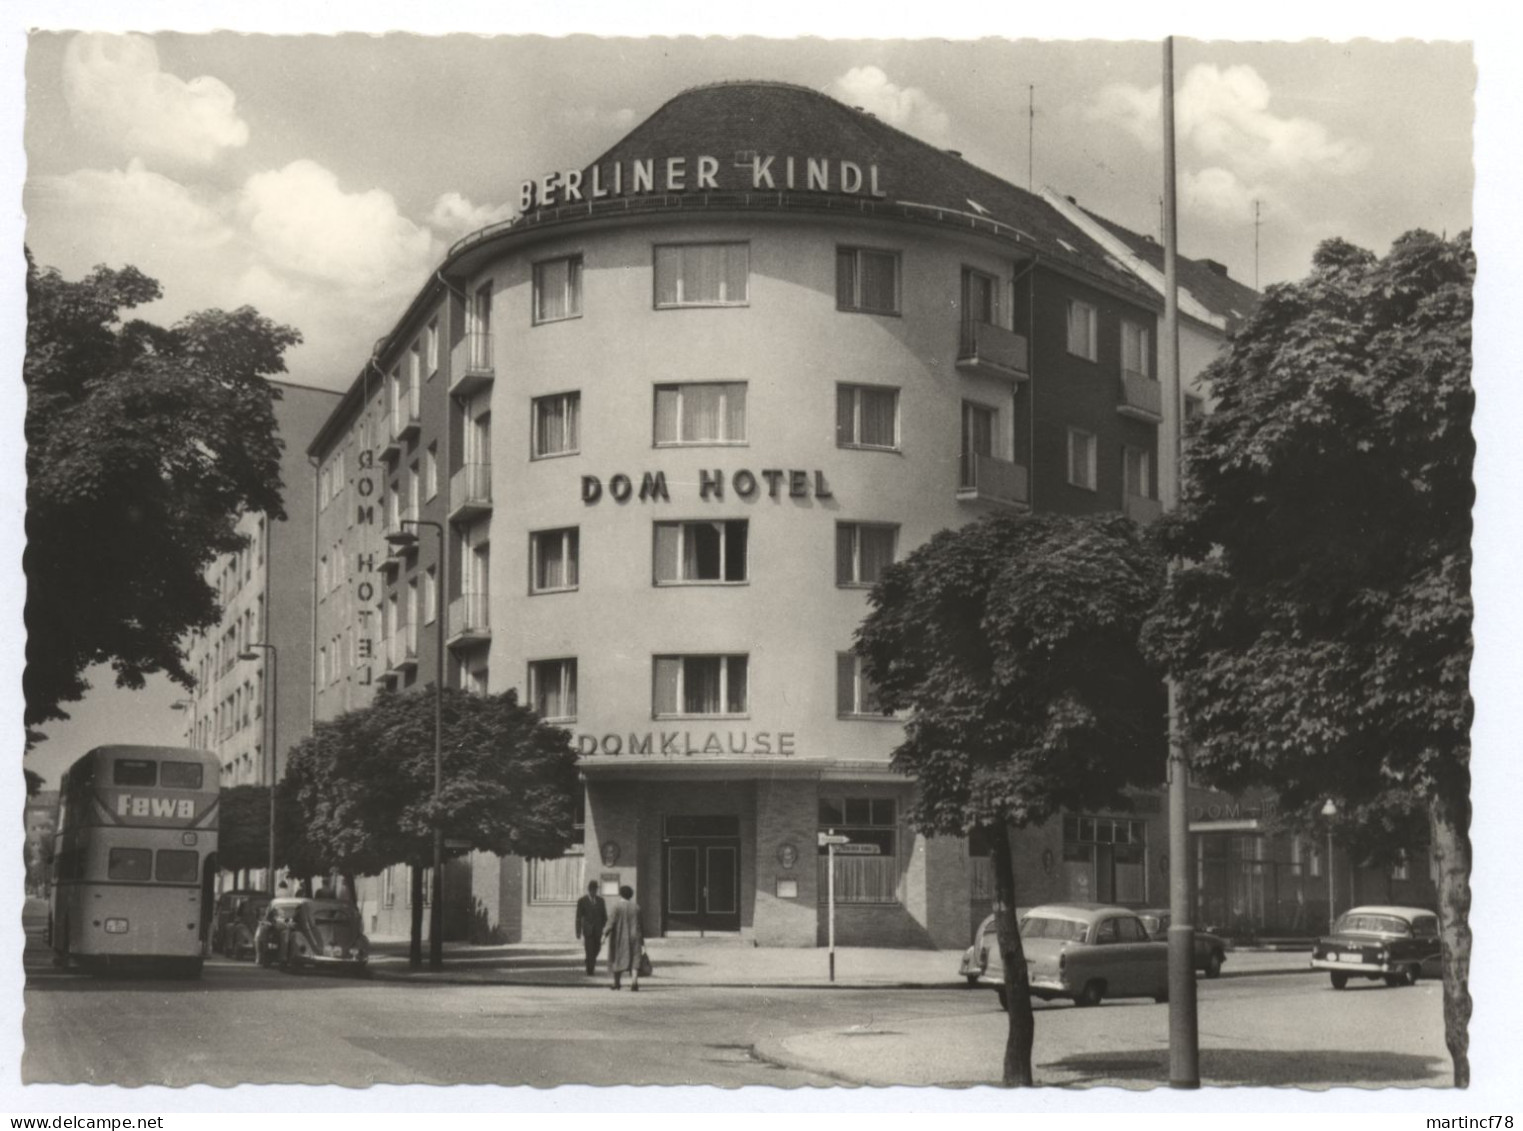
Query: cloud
{"points": [[302, 223], [118, 96], [908, 108], [1219, 194], [454, 216]]}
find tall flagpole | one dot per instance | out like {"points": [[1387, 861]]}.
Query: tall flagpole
{"points": [[1184, 1035]]}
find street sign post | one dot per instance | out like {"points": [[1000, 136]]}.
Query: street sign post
{"points": [[830, 841]]}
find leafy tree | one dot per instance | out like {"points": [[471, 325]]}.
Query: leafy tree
{"points": [[1321, 630], [34, 783], [243, 830], [144, 444], [364, 783], [1013, 642]]}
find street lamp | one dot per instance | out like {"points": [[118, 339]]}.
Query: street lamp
{"points": [[405, 539], [274, 736], [1330, 810], [190, 706]]}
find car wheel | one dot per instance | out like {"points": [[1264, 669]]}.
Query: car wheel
{"points": [[1414, 972], [1214, 964], [972, 979], [1093, 993], [1004, 1000], [1162, 998], [1338, 980]]}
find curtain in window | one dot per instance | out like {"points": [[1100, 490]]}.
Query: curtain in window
{"points": [[701, 412], [846, 691], [735, 702], [878, 289], [846, 414], [571, 555], [1078, 452], [701, 551], [556, 560], [1134, 349], [556, 881], [876, 552], [700, 685], [1135, 467], [667, 400], [879, 415], [846, 279], [667, 671], [668, 275], [551, 414], [737, 269], [735, 412], [862, 879], [846, 554], [557, 284], [667, 541], [1080, 329]]}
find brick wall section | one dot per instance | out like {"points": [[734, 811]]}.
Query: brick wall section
{"points": [[787, 812]]}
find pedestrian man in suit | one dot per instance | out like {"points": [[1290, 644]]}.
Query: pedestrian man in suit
{"points": [[591, 918]]}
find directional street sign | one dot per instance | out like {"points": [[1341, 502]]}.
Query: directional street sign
{"points": [[829, 838]]}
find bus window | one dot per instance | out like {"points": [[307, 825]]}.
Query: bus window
{"points": [[130, 863], [179, 775], [134, 771], [176, 866]]}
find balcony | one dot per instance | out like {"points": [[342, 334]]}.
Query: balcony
{"points": [[409, 414], [475, 369], [391, 445], [394, 521], [1142, 510], [470, 492], [402, 649], [1141, 398], [468, 622], [990, 479], [986, 348]]}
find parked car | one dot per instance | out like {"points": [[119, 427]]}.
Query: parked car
{"points": [[234, 920], [1399, 944], [1087, 952], [1210, 950], [975, 960], [319, 933]]}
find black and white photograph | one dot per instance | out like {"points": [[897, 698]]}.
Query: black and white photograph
{"points": [[775, 563]]}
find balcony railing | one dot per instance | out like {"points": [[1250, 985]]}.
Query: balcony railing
{"points": [[402, 648], [1141, 398], [468, 620], [994, 480], [409, 412], [1139, 509], [470, 492], [984, 346], [476, 368]]}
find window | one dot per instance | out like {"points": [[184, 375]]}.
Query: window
{"points": [[702, 275], [430, 595], [180, 775], [1135, 468], [431, 337], [176, 866], [557, 425], [553, 563], [978, 433], [1136, 358], [855, 694], [552, 688], [135, 771], [867, 416], [863, 551], [870, 873], [558, 880], [700, 551], [1083, 336], [431, 471], [1104, 859], [1194, 406], [1081, 458], [132, 864], [701, 414], [558, 289], [700, 685], [980, 297], [867, 281]]}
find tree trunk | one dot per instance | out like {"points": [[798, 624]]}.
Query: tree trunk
{"points": [[1449, 819], [415, 950], [351, 888], [1022, 1031]]}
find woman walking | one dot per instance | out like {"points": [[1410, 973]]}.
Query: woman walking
{"points": [[624, 939]]}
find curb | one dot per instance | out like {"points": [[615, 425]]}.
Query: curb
{"points": [[447, 979]]}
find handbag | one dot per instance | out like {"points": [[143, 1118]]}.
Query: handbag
{"points": [[644, 966]]}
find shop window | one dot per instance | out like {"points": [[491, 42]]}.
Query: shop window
{"points": [[856, 697], [864, 550], [1083, 330], [704, 413], [869, 871], [1105, 859], [693, 552], [556, 881], [1136, 356], [702, 275], [553, 560], [867, 281], [1082, 471], [867, 416], [557, 425], [558, 289], [700, 686], [552, 689]]}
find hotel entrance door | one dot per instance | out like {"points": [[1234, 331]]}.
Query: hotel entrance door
{"points": [[701, 869]]}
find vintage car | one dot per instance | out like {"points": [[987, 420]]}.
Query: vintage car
{"points": [[1210, 950], [315, 933], [235, 920], [1398, 944], [1087, 952], [975, 960]]}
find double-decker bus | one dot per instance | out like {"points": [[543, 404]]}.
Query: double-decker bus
{"points": [[134, 858]]}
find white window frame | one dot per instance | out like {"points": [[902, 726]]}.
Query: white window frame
{"points": [[1144, 352], [854, 304], [572, 288], [682, 527], [571, 554], [855, 441], [854, 580], [430, 594], [565, 669], [1093, 469], [681, 685], [681, 387], [673, 255], [431, 352], [1089, 349], [860, 684], [537, 449]]}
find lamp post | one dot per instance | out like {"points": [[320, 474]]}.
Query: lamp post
{"points": [[1330, 810], [187, 705], [250, 654], [405, 539]]}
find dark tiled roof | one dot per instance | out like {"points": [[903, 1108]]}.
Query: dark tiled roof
{"points": [[723, 119], [1214, 289]]}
